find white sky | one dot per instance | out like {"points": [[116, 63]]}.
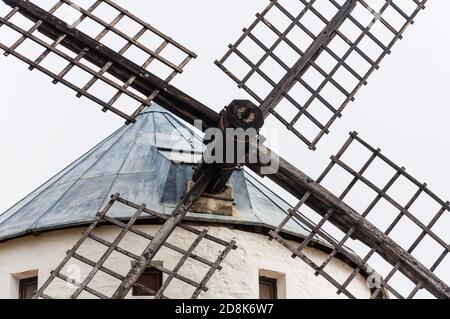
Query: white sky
{"points": [[404, 109]]}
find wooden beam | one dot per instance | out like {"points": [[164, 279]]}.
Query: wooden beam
{"points": [[311, 54], [297, 183], [288, 177], [170, 97], [163, 234]]}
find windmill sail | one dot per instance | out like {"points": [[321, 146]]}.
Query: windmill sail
{"points": [[96, 48], [304, 61], [413, 218], [319, 54], [86, 287]]}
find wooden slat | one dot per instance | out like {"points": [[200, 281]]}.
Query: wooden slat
{"points": [[108, 252], [98, 266], [213, 269], [321, 45], [89, 48], [77, 245]]}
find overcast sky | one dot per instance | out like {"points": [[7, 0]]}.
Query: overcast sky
{"points": [[404, 110]]}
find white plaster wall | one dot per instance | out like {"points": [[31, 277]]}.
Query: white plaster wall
{"points": [[237, 279]]}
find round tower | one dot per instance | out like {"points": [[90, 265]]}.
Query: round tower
{"points": [[153, 162]]}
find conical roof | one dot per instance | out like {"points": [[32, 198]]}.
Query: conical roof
{"points": [[139, 162]]}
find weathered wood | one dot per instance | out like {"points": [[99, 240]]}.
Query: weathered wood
{"points": [[79, 285], [181, 225], [314, 50], [298, 20], [239, 115], [151, 264], [288, 177], [298, 183], [70, 253], [212, 270], [99, 266], [163, 234], [166, 244], [173, 99], [311, 263], [180, 264], [108, 252], [111, 273]]}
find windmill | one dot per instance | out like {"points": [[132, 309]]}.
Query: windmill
{"points": [[350, 36]]}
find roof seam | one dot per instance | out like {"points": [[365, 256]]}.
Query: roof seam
{"points": [[187, 128], [72, 166], [268, 190], [132, 149], [282, 209], [84, 172], [120, 168]]}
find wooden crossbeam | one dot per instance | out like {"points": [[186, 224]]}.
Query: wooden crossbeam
{"points": [[99, 265], [288, 177]]}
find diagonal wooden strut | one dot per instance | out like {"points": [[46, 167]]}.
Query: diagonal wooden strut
{"points": [[288, 177], [288, 81], [163, 234], [85, 285]]}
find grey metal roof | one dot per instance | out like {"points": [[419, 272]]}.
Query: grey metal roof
{"points": [[139, 162]]}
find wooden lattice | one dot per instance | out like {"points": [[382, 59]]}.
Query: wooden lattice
{"points": [[417, 220], [99, 266], [304, 61], [46, 35]]}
